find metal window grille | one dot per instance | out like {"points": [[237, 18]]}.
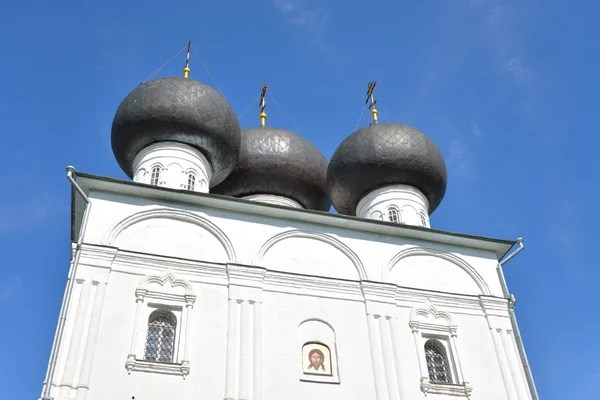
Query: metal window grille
{"points": [[155, 177], [393, 216], [191, 182], [160, 340], [423, 220], [437, 362]]}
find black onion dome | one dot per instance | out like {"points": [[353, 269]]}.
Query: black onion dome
{"points": [[278, 162], [180, 110], [385, 154]]}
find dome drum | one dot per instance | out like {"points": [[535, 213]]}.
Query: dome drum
{"points": [[176, 109], [273, 199], [173, 165], [385, 154], [277, 162], [401, 204]]}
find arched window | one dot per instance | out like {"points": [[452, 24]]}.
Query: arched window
{"points": [[160, 340], [191, 184], [437, 362], [393, 215], [423, 219], [155, 177]]}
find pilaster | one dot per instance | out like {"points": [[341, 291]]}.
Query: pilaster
{"points": [[496, 314], [380, 306], [244, 332]]}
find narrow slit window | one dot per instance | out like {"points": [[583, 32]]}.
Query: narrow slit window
{"points": [[155, 177], [160, 339], [191, 183], [437, 362]]}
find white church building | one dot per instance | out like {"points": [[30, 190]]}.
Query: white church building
{"points": [[219, 273]]}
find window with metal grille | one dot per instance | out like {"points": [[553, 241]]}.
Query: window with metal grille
{"points": [[423, 220], [393, 215], [191, 182], [155, 177], [437, 362], [160, 340]]}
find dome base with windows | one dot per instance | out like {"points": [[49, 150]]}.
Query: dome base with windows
{"points": [[173, 165], [273, 199], [402, 204]]}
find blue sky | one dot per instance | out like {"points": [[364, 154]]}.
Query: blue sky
{"points": [[507, 89]]}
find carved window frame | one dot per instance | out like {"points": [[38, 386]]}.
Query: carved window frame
{"points": [[427, 323], [149, 301]]}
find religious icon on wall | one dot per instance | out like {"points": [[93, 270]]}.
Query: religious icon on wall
{"points": [[316, 359]]}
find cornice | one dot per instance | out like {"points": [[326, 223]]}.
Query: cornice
{"points": [[312, 286], [90, 183], [143, 263], [379, 291], [245, 275], [494, 306], [97, 256], [379, 298]]}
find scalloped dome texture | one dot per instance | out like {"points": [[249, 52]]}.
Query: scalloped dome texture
{"points": [[179, 110], [385, 154], [279, 162]]}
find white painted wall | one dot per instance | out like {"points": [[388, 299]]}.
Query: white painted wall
{"points": [[254, 281], [176, 162], [273, 199], [409, 202]]}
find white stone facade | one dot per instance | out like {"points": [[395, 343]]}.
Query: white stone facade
{"points": [[173, 165], [401, 204], [273, 199], [250, 284]]}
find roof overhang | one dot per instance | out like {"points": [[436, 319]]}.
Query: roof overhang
{"points": [[90, 182]]}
